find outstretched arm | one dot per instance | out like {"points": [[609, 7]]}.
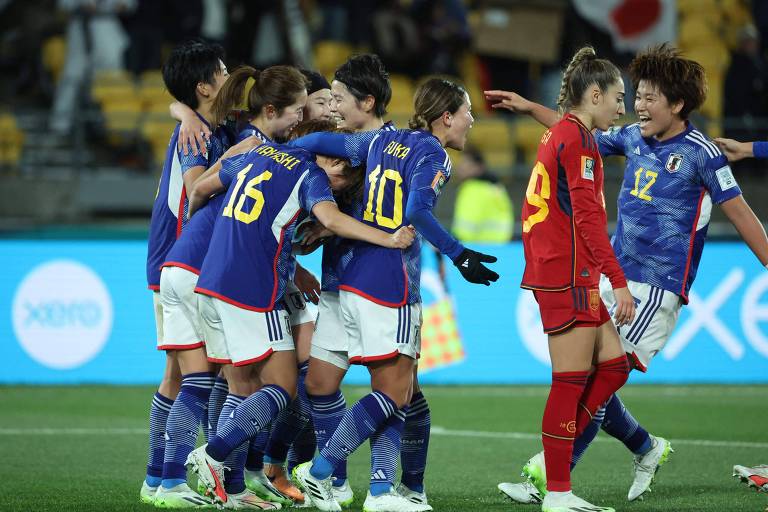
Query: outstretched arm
{"points": [[749, 227], [515, 103]]}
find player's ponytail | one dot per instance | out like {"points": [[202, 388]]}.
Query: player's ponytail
{"points": [[231, 94], [433, 98], [584, 70]]}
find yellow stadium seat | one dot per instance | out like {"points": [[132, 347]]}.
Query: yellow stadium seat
{"points": [[493, 137], [122, 116], [403, 90], [527, 135], [158, 133], [153, 94], [112, 77], [54, 55], [152, 77], [113, 92], [329, 55]]}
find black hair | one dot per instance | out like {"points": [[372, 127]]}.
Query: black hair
{"points": [[189, 64], [364, 75]]}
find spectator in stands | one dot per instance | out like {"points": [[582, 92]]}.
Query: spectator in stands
{"points": [[445, 33], [483, 212]]}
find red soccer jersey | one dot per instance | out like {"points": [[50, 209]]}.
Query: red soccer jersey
{"points": [[564, 221]]}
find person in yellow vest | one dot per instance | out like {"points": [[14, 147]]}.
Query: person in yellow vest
{"points": [[483, 212]]}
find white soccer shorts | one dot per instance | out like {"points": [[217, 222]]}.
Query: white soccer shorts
{"points": [[377, 332], [158, 307], [329, 341], [238, 336], [181, 319], [298, 311], [655, 319]]}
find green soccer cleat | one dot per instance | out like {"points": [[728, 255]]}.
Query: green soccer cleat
{"points": [[258, 483], [343, 494], [647, 465], [536, 471], [147, 493], [180, 496]]}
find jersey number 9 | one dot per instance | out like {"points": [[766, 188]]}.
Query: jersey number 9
{"points": [[251, 191], [537, 199], [378, 178]]}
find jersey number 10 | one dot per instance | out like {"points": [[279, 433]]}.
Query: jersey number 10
{"points": [[251, 191], [378, 178]]}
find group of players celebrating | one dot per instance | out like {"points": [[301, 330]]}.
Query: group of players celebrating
{"points": [[287, 163]]}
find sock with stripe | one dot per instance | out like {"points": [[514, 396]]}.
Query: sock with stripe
{"points": [[234, 480], [183, 424], [357, 425], [215, 403], [385, 448], [607, 378], [581, 443], [620, 424], [288, 424], [327, 413], [251, 416], [558, 427], [158, 418], [415, 443]]}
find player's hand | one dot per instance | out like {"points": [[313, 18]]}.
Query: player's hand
{"points": [[313, 232], [625, 307], [402, 238], [508, 100], [243, 146], [194, 134], [470, 264], [734, 150], [307, 284]]}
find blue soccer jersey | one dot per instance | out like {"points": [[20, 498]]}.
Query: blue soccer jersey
{"points": [[169, 212], [665, 203], [248, 131], [249, 257], [405, 171]]}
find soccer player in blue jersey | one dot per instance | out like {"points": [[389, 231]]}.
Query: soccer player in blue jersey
{"points": [[242, 284], [405, 172], [673, 176], [193, 74]]}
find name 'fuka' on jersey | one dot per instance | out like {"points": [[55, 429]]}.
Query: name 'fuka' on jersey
{"points": [[249, 258], [665, 203]]}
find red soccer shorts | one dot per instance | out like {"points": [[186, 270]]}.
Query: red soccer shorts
{"points": [[574, 307]]}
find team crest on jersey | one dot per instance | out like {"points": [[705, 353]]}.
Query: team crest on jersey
{"points": [[438, 182], [594, 300], [588, 168], [674, 162]]}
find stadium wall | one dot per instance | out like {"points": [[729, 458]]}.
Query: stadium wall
{"points": [[80, 312]]}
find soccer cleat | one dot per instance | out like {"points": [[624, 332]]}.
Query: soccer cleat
{"points": [[180, 496], [392, 502], [536, 471], [319, 492], [343, 494], [522, 492], [569, 502], [147, 493], [276, 475], [756, 476], [260, 485], [411, 495], [647, 465], [247, 500], [209, 471]]}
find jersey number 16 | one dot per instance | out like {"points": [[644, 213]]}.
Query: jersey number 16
{"points": [[251, 191]]}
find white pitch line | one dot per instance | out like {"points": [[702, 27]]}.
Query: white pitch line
{"points": [[436, 430], [441, 431]]}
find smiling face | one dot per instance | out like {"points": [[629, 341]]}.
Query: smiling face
{"points": [[318, 105], [658, 118], [609, 107], [280, 125], [347, 110]]}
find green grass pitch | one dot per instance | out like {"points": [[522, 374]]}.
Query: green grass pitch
{"points": [[84, 448]]}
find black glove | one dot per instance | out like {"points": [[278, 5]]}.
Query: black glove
{"points": [[470, 264]]}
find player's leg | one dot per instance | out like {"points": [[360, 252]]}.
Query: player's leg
{"points": [[414, 446]]}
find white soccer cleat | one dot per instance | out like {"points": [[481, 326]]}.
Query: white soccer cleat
{"points": [[569, 502], [406, 492], [147, 493], [261, 486], [209, 472], [535, 471], [522, 492], [756, 476], [392, 502], [343, 494], [247, 500], [180, 496], [647, 465], [319, 492]]}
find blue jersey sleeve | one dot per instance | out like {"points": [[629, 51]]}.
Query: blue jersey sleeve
{"points": [[230, 167], [314, 189], [716, 176], [352, 146], [428, 177], [189, 160], [612, 141]]}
